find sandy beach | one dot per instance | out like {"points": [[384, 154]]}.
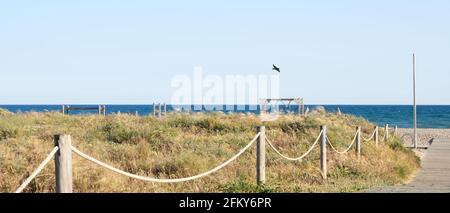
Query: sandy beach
{"points": [[425, 137]]}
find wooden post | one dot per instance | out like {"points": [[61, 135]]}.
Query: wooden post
{"points": [[303, 109], [261, 156], [63, 164], [104, 110], [323, 152], [154, 109], [99, 109], [262, 107], [376, 136], [386, 132], [358, 142], [165, 109], [395, 131], [159, 110], [136, 113], [63, 109]]}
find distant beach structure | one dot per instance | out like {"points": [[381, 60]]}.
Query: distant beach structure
{"points": [[176, 109]]}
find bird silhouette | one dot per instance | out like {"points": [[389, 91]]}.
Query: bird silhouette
{"points": [[275, 68]]}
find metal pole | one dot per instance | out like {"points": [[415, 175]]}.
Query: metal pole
{"points": [[415, 106]]}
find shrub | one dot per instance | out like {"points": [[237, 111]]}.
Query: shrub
{"points": [[242, 186], [7, 131], [117, 133]]}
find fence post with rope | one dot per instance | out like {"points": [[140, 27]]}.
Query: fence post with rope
{"points": [[358, 141], [261, 156], [386, 132], [323, 152], [63, 163], [376, 136]]}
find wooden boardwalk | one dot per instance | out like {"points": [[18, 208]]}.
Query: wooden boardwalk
{"points": [[434, 176]]}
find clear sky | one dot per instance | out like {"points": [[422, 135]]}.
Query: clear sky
{"points": [[127, 52]]}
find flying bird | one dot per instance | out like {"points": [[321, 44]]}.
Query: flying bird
{"points": [[275, 68]]}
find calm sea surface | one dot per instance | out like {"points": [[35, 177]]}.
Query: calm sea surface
{"points": [[428, 116]]}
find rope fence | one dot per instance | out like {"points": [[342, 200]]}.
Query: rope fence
{"points": [[104, 165], [346, 150], [371, 137], [37, 170], [63, 158], [298, 158]]}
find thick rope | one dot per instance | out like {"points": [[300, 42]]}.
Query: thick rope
{"points": [[81, 154], [370, 138], [37, 170], [345, 151], [298, 158], [382, 138]]}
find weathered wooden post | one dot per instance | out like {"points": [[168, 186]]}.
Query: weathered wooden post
{"points": [[323, 152], [63, 163], [358, 142], [261, 156], [165, 109], [159, 110], [386, 132], [154, 109], [376, 136], [395, 131], [63, 110], [101, 109]]}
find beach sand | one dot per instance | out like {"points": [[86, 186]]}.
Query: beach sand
{"points": [[425, 137]]}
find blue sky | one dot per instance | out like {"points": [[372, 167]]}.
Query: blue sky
{"points": [[335, 52]]}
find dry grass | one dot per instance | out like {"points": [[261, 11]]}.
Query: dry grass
{"points": [[183, 145]]}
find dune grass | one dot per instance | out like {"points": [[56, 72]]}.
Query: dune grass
{"points": [[182, 145]]}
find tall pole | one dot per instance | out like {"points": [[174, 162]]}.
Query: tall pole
{"points": [[414, 107]]}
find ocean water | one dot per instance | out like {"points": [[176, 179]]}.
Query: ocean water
{"points": [[400, 115]]}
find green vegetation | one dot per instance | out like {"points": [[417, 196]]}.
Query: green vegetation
{"points": [[181, 145]]}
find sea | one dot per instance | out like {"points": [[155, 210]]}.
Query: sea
{"points": [[428, 116]]}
